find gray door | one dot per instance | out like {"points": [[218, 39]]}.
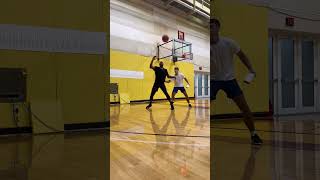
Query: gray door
{"points": [[294, 80]]}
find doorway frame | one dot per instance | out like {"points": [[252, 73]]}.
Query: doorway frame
{"points": [[197, 73], [275, 82]]}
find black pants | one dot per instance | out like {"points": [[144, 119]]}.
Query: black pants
{"points": [[231, 88], [155, 88]]}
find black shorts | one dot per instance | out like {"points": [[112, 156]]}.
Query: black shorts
{"points": [[156, 86], [231, 88], [176, 89]]}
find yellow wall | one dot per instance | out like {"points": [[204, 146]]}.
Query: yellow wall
{"points": [[247, 25], [73, 14], [139, 89], [63, 88]]}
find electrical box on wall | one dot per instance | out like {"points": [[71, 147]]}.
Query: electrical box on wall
{"points": [[290, 21], [114, 93], [181, 35], [12, 85], [114, 88]]}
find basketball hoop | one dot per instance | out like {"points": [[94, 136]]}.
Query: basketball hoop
{"points": [[174, 59], [176, 49]]}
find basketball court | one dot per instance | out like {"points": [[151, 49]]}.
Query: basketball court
{"points": [[286, 89], [159, 138], [55, 76], [160, 143], [290, 149]]}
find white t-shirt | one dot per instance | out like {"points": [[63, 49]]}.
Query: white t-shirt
{"points": [[222, 59], [178, 81]]}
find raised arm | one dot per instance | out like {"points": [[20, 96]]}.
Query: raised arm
{"points": [[186, 80], [245, 60], [168, 76], [151, 64]]}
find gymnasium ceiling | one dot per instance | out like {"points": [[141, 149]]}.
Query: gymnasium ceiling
{"points": [[193, 10]]}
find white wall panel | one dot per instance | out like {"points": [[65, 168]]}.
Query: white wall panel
{"points": [[118, 73], [29, 38], [137, 29]]}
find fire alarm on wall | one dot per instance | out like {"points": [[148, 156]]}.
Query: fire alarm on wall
{"points": [[181, 35], [290, 21]]}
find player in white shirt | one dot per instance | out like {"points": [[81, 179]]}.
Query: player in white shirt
{"points": [[222, 51], [179, 86]]}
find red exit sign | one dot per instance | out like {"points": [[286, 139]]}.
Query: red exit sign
{"points": [[181, 35], [290, 21]]}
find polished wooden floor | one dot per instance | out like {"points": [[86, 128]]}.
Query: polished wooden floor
{"points": [[169, 146], [160, 144], [75, 156], [144, 145], [291, 149]]}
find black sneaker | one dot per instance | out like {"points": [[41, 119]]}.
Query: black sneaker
{"points": [[255, 140], [148, 107], [171, 104]]}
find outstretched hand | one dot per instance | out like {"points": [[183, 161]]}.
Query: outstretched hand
{"points": [[253, 72]]}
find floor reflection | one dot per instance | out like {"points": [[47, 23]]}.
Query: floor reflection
{"points": [[291, 150], [160, 143], [53, 157], [164, 144]]}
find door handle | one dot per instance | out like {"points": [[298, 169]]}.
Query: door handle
{"points": [[289, 81], [308, 81]]}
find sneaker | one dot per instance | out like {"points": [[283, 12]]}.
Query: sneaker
{"points": [[148, 107], [255, 140], [190, 106], [172, 107]]}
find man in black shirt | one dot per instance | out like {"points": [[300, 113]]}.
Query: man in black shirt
{"points": [[161, 74]]}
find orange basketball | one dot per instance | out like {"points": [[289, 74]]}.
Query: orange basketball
{"points": [[165, 38], [184, 171]]}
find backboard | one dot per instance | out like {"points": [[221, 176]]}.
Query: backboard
{"points": [[175, 49]]}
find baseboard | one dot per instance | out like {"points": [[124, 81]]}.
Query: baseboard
{"points": [[17, 130], [81, 126], [67, 127], [155, 100], [264, 115]]}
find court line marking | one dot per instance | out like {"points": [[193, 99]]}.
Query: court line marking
{"points": [[163, 103], [185, 105], [154, 134], [166, 143], [270, 131], [269, 142]]}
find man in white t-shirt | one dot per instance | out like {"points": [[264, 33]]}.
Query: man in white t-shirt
{"points": [[222, 51], [178, 85]]}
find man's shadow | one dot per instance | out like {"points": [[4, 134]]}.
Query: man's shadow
{"points": [[176, 151], [183, 149], [250, 164], [160, 134], [180, 127]]}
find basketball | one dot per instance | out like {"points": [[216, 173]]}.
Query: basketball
{"points": [[165, 38], [183, 55]]}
